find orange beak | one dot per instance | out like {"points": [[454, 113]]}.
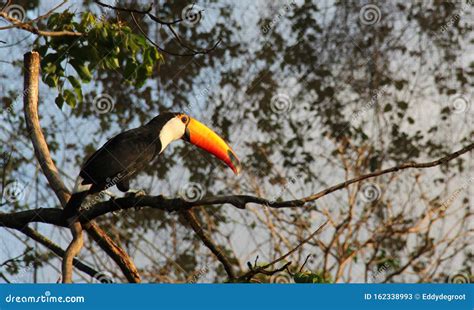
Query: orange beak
{"points": [[201, 136]]}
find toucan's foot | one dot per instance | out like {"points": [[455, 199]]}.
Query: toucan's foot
{"points": [[135, 193]]}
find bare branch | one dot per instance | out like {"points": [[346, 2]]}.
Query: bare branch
{"points": [[16, 23], [253, 272], [206, 239]]}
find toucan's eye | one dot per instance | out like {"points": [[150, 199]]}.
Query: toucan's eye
{"points": [[184, 119]]}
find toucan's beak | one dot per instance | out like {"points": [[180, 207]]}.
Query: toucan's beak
{"points": [[201, 136]]}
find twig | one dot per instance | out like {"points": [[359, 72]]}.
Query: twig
{"points": [[33, 234], [206, 239], [16, 23], [250, 274], [193, 52], [305, 261]]}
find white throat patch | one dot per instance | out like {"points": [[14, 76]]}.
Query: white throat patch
{"points": [[173, 130]]}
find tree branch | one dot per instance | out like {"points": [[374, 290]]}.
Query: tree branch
{"points": [[206, 239], [49, 169], [33, 234], [54, 215], [16, 23], [263, 269]]}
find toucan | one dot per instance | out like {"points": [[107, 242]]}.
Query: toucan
{"points": [[125, 155]]}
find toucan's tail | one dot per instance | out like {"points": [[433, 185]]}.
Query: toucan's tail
{"points": [[79, 193], [74, 203]]}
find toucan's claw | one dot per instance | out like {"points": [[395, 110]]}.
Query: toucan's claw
{"points": [[135, 193]]}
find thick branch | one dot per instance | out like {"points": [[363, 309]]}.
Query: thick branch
{"points": [[32, 64], [54, 216], [49, 169]]}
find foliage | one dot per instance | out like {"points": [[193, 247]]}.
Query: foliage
{"points": [[105, 45]]}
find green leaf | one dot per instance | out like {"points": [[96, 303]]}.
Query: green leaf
{"points": [[51, 80], [82, 70], [59, 101], [69, 98], [74, 82], [130, 69]]}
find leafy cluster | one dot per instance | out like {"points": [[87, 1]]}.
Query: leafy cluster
{"points": [[103, 46]]}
